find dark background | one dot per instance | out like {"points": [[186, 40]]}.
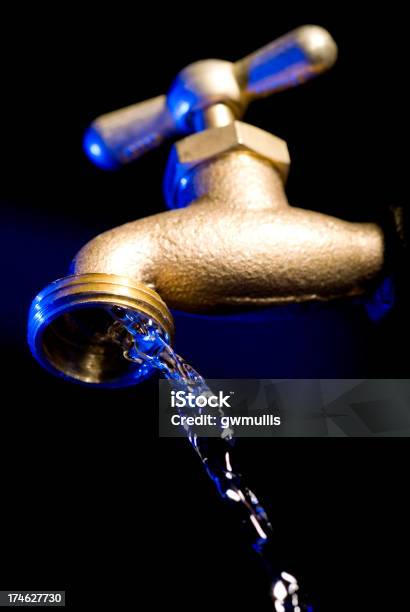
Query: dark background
{"points": [[91, 501]]}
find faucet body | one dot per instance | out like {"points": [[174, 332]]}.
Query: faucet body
{"points": [[237, 243], [231, 241]]}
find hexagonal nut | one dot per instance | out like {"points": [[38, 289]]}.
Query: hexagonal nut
{"points": [[202, 146]]}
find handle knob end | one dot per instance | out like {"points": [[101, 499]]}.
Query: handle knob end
{"points": [[318, 45]]}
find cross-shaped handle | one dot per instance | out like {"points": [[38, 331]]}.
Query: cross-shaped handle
{"points": [[119, 137]]}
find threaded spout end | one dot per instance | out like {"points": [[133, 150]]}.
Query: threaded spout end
{"points": [[69, 327]]}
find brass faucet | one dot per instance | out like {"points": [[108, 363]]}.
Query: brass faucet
{"points": [[230, 241]]}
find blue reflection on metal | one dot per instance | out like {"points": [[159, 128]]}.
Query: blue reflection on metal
{"points": [[382, 301], [275, 72], [96, 150]]}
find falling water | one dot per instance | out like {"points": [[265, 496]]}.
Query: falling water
{"points": [[147, 347]]}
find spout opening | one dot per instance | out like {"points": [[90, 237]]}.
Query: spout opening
{"points": [[71, 329], [76, 344]]}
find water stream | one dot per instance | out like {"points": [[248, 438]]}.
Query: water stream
{"points": [[147, 347]]}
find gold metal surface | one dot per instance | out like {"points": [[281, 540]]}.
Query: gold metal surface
{"points": [[217, 115], [239, 244], [134, 130], [198, 148], [312, 47]]}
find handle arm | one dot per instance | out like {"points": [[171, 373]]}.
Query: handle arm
{"points": [[119, 137], [286, 62]]}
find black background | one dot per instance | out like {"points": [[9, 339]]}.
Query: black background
{"points": [[91, 501]]}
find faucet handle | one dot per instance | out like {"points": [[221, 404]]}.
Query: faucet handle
{"points": [[286, 62], [116, 138], [224, 87]]}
